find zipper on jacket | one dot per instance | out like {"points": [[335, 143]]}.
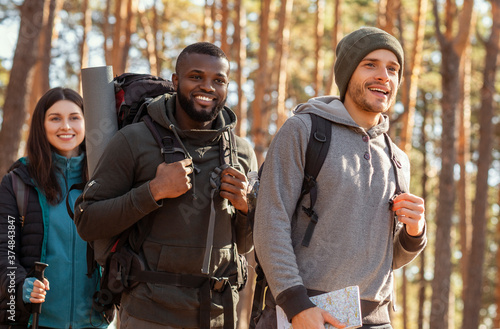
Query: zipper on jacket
{"points": [[89, 184]]}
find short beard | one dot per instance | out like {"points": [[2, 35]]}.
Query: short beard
{"points": [[357, 94], [188, 107]]}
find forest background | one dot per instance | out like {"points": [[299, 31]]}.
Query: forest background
{"points": [[446, 118]]}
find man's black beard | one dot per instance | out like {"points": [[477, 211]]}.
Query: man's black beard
{"points": [[189, 108]]}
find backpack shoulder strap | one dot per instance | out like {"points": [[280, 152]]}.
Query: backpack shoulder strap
{"points": [[228, 151], [22, 194], [317, 150], [171, 149], [401, 184]]}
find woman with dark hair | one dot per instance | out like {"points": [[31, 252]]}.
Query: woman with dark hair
{"points": [[55, 161]]}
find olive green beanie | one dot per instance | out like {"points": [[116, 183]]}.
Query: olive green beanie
{"points": [[355, 46]]}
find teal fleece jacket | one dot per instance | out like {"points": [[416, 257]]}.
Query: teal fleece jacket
{"points": [[353, 242], [69, 300], [68, 303]]}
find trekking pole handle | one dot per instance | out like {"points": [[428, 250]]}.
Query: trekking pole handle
{"points": [[39, 275]]}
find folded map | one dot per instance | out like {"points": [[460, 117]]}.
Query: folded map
{"points": [[343, 304]]}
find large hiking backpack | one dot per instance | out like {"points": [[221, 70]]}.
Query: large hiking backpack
{"points": [[121, 267], [133, 93]]}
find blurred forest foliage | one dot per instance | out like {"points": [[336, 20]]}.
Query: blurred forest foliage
{"points": [[282, 51]]}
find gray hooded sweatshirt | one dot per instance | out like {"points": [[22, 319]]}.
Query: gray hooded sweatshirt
{"points": [[353, 242]]}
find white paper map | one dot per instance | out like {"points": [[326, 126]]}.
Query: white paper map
{"points": [[343, 304]]}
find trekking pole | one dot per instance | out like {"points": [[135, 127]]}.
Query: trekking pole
{"points": [[37, 308]]}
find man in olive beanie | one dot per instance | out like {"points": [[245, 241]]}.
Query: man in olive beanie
{"points": [[355, 46], [365, 222]]}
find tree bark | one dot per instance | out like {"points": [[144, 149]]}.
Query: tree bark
{"points": [[40, 78], [42, 66], [224, 22], [464, 200], [259, 127], [410, 83], [84, 48], [241, 56], [387, 13], [423, 282], [130, 28], [106, 34], [452, 49], [19, 87], [282, 53], [213, 17], [150, 39], [496, 321], [473, 291], [318, 51], [330, 86]]}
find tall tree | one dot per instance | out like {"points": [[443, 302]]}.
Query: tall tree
{"points": [[259, 127], [106, 33], [464, 200], [42, 66], [318, 51], [224, 45], [149, 33], [87, 26], [387, 14], [207, 21], [124, 27], [496, 321], [14, 109], [412, 73], [282, 54], [473, 291], [213, 18], [452, 48], [330, 85], [241, 56], [422, 280]]}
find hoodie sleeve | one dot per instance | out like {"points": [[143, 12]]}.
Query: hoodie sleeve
{"points": [[110, 203], [280, 187]]}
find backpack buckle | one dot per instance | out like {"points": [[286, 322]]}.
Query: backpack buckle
{"points": [[218, 284]]}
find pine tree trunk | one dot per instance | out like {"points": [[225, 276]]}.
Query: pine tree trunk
{"points": [[282, 54], [452, 49], [106, 34], [410, 83], [464, 201], [422, 280], [213, 17], [19, 87], [241, 55], [130, 28], [150, 38], [41, 70], [259, 127], [496, 321], [473, 288], [318, 51], [84, 48], [330, 86], [224, 23]]}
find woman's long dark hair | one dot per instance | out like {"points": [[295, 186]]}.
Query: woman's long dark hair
{"points": [[40, 165]]}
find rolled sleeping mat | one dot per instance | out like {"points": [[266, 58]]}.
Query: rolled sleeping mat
{"points": [[100, 111]]}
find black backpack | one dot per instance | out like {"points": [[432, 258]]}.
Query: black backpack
{"points": [[317, 150]]}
